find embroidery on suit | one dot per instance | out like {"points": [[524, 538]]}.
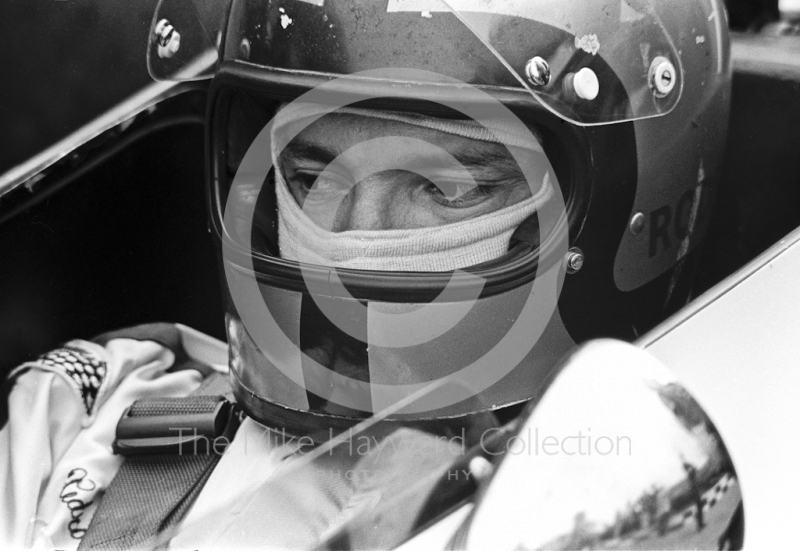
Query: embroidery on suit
{"points": [[75, 493], [85, 370]]}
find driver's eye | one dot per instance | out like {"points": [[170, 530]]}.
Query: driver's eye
{"points": [[451, 190], [457, 194], [312, 182]]}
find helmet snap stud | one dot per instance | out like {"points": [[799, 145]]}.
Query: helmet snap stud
{"points": [[244, 49], [538, 71], [662, 76], [575, 260], [169, 40], [583, 84], [637, 223], [480, 468]]}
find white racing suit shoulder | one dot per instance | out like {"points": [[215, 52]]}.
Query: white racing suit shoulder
{"points": [[62, 412], [265, 493]]}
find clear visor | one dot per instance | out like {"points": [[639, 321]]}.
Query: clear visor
{"points": [[597, 63], [605, 62]]}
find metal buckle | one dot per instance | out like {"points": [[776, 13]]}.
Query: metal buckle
{"points": [[178, 434]]}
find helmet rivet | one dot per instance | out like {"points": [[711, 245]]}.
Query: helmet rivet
{"points": [[662, 76], [169, 40], [575, 260], [637, 223], [480, 468], [244, 49], [538, 71], [583, 84]]}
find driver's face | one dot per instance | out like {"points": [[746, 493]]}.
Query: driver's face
{"points": [[357, 193]]}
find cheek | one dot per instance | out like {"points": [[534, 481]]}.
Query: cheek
{"points": [[410, 208], [430, 213], [516, 194], [329, 215], [496, 200], [417, 209]]}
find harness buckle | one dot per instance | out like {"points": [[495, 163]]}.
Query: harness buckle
{"points": [[168, 426]]}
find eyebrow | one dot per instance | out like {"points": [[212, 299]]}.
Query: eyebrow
{"points": [[299, 148]]}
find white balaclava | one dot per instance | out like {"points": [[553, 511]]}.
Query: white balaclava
{"points": [[433, 249]]}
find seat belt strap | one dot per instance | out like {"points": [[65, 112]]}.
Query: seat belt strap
{"points": [[171, 446]]}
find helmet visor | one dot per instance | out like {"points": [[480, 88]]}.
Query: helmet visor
{"points": [[596, 63]]}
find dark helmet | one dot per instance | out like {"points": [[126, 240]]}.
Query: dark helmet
{"points": [[631, 102]]}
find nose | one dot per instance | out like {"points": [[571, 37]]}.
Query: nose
{"points": [[370, 204]]}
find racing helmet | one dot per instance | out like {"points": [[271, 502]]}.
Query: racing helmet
{"points": [[628, 102]]}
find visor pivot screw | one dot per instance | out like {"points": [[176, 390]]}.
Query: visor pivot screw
{"points": [[637, 223], [538, 71], [168, 39], [575, 260], [662, 76], [244, 49]]}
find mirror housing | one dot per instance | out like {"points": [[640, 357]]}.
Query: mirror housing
{"points": [[615, 455]]}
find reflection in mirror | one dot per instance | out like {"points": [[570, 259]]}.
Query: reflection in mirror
{"points": [[616, 455]]}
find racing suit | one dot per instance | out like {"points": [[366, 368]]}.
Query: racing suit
{"points": [[57, 460]]}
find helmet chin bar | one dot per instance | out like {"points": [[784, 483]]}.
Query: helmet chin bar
{"points": [[271, 398]]}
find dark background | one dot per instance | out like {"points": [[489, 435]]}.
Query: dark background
{"points": [[127, 243], [63, 62], [751, 14]]}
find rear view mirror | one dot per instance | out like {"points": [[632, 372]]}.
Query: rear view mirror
{"points": [[616, 455]]}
